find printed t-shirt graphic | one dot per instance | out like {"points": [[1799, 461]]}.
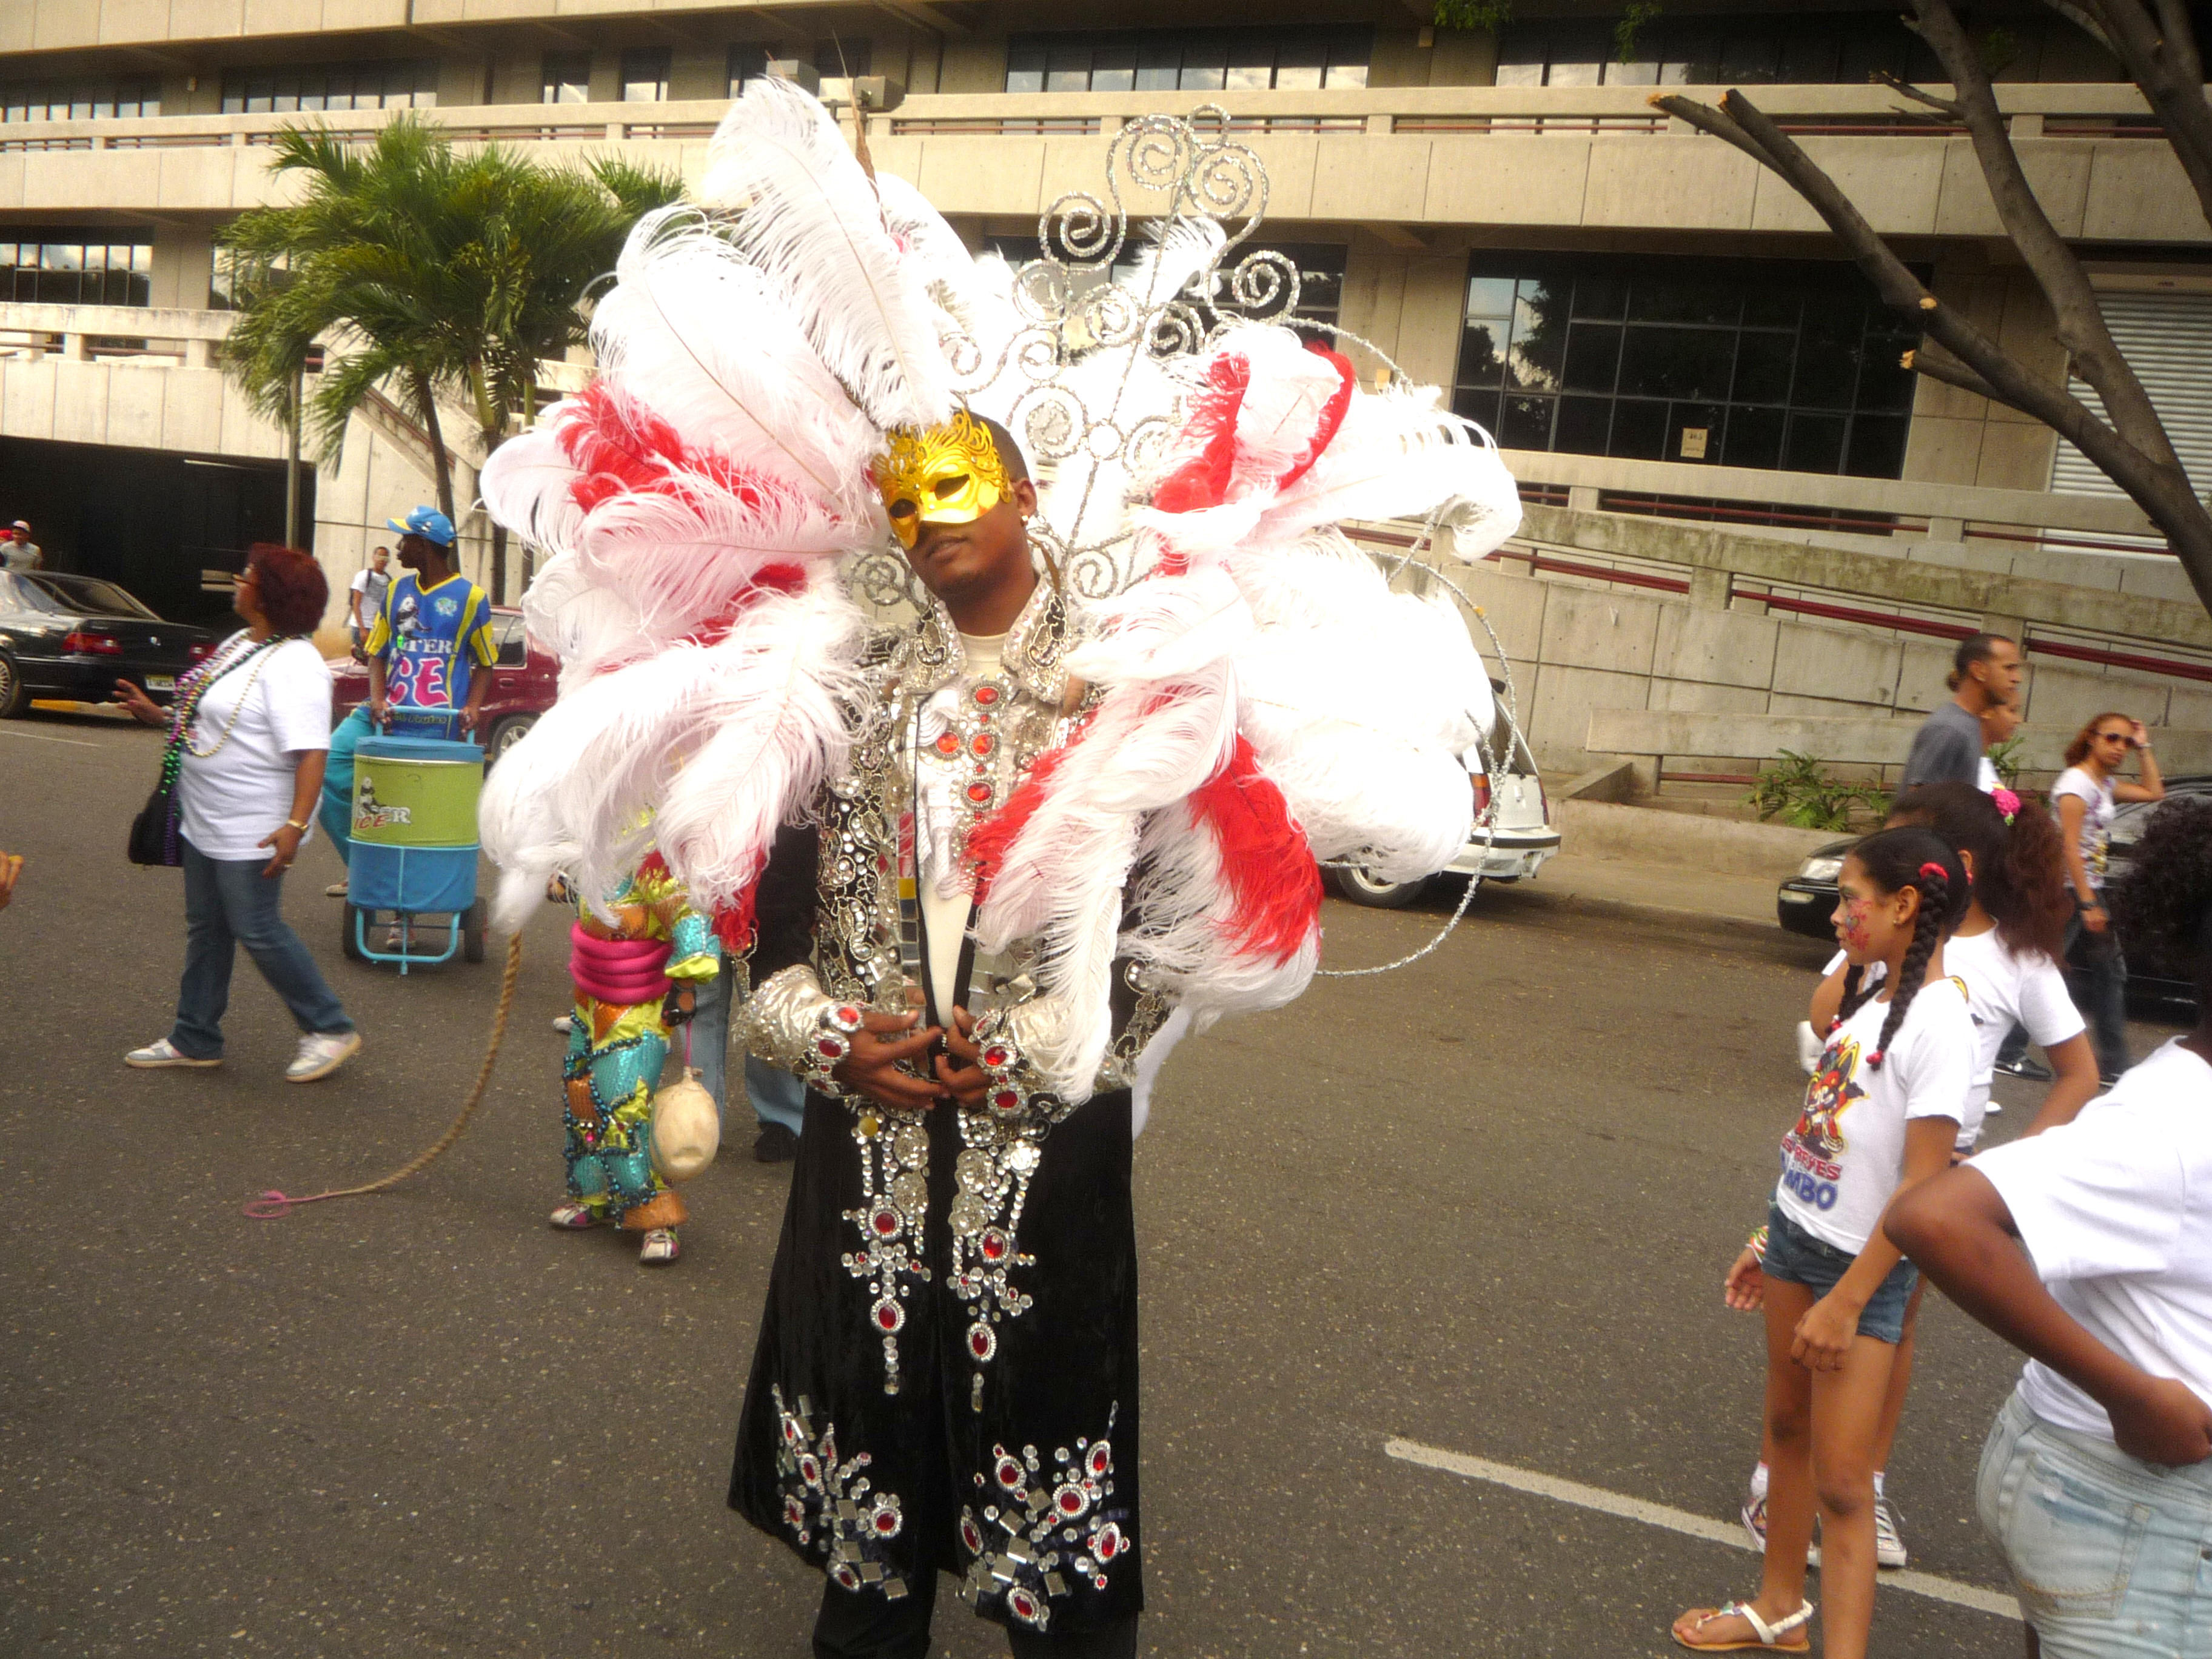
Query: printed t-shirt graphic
{"points": [[432, 641], [1844, 1157]]}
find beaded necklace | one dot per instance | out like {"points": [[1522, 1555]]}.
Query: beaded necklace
{"points": [[186, 707]]}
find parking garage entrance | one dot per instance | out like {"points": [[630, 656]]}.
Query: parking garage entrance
{"points": [[169, 527]]}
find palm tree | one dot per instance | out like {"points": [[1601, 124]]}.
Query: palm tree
{"points": [[435, 273]]}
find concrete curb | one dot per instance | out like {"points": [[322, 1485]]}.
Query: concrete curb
{"points": [[1743, 929]]}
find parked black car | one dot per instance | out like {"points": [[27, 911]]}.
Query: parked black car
{"points": [[1805, 902], [73, 637]]}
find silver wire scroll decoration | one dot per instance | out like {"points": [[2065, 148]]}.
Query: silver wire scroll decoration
{"points": [[1080, 378], [1082, 374]]}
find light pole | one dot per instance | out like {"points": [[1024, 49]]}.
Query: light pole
{"points": [[292, 458]]}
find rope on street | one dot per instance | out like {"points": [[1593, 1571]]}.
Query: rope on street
{"points": [[273, 1205]]}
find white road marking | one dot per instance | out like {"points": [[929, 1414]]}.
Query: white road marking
{"points": [[40, 737], [1673, 1520]]}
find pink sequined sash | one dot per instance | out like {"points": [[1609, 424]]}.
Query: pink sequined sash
{"points": [[622, 970]]}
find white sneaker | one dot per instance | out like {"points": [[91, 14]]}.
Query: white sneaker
{"points": [[336, 890], [658, 1248], [321, 1054], [156, 1055], [1888, 1542], [564, 1023]]}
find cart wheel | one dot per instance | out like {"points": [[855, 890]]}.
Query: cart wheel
{"points": [[472, 932], [350, 931]]}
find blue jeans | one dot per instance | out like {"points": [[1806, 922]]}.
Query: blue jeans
{"points": [[777, 1096], [2111, 1558], [229, 902], [2101, 991], [335, 810]]}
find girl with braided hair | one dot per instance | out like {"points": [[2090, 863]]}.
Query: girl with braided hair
{"points": [[1880, 1116], [2089, 1248]]}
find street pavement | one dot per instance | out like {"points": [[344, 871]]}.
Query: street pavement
{"points": [[1482, 1205]]}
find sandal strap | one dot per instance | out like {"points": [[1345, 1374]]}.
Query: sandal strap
{"points": [[1765, 1632]]}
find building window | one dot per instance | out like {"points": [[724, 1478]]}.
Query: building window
{"points": [[645, 75], [1321, 278], [94, 99], [70, 268], [749, 62], [1746, 51], [840, 59], [1190, 60], [400, 83], [566, 78], [1758, 363]]}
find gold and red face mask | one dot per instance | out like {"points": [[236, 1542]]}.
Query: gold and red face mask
{"points": [[949, 474]]}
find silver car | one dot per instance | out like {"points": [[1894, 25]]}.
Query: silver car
{"points": [[1514, 843]]}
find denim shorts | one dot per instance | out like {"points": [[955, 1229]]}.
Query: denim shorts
{"points": [[1794, 1255], [2111, 1558]]}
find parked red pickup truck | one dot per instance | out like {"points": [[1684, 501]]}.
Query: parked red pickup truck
{"points": [[524, 681]]}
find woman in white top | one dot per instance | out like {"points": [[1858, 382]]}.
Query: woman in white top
{"points": [[2084, 798], [2089, 1248], [256, 729]]}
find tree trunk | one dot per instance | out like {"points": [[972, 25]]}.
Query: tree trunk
{"points": [[426, 403], [493, 437]]}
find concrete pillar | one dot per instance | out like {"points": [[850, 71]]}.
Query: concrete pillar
{"points": [[73, 348], [1710, 589], [1582, 498], [199, 353]]}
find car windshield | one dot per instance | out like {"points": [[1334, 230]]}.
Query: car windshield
{"points": [[88, 596]]}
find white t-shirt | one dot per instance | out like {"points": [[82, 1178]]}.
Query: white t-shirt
{"points": [[2003, 989], [944, 916], [229, 800], [1986, 779], [2096, 817], [1843, 1159], [2116, 1207]]}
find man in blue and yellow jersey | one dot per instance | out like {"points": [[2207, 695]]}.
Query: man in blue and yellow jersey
{"points": [[432, 635]]}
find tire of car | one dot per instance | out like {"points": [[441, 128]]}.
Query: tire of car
{"points": [[350, 928], [504, 735], [472, 932], [15, 695], [1361, 886]]}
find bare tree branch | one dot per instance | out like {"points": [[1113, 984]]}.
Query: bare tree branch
{"points": [[1951, 372], [2079, 319], [2082, 21], [1898, 84], [1976, 363], [2162, 59]]}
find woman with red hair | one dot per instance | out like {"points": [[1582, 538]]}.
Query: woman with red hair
{"points": [[253, 729]]}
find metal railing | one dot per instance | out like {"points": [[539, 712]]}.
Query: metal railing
{"points": [[2093, 111]]}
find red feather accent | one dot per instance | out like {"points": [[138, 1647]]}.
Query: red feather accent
{"points": [[990, 841], [734, 922], [1274, 884], [1203, 480], [653, 864], [1332, 413], [621, 446]]}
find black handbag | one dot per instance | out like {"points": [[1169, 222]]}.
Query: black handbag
{"points": [[154, 831], [153, 838]]}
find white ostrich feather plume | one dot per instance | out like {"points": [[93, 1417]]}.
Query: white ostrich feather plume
{"points": [[1398, 456], [700, 750], [716, 349], [1183, 904], [809, 218]]}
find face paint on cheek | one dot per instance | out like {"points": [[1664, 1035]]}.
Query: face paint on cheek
{"points": [[1854, 934]]}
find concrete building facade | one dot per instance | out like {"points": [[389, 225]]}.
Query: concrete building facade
{"points": [[1657, 331]]}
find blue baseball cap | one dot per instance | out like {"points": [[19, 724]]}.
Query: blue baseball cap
{"points": [[427, 522]]}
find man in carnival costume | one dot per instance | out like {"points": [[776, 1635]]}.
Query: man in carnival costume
{"points": [[1020, 845]]}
